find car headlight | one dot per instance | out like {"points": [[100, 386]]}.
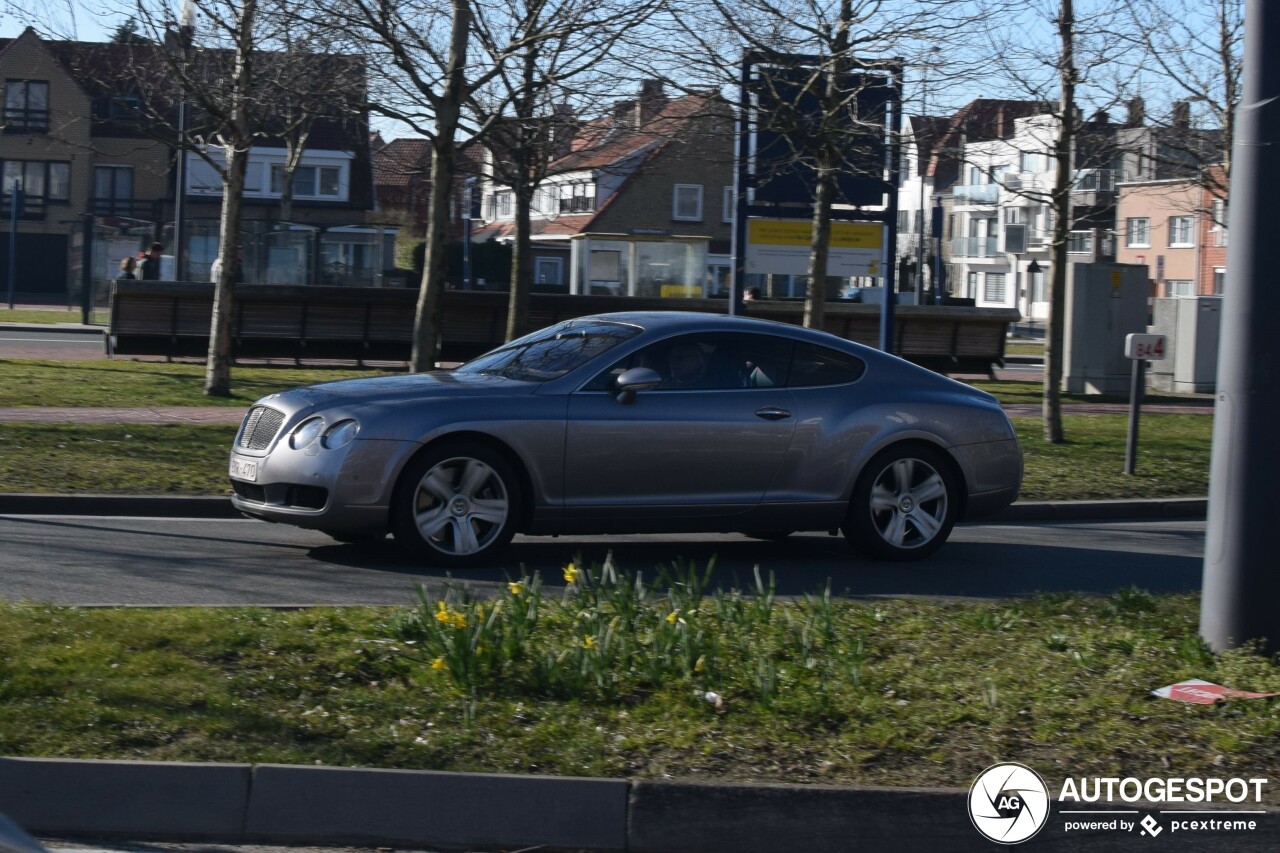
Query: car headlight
{"points": [[340, 434], [305, 433]]}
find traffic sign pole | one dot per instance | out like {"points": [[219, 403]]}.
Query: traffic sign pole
{"points": [[1139, 348], [1135, 410]]}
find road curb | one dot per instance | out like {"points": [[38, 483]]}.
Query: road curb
{"points": [[59, 328], [213, 506], [279, 804], [153, 506]]}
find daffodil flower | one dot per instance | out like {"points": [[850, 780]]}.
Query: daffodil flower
{"points": [[571, 573], [516, 588], [588, 642], [673, 616], [439, 664]]}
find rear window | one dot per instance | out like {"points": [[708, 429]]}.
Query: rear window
{"points": [[552, 352], [813, 366]]}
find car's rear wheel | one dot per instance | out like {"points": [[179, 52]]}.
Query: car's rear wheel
{"points": [[904, 504], [457, 504]]}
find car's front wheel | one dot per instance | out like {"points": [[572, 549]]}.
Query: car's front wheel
{"points": [[904, 504], [457, 504]]}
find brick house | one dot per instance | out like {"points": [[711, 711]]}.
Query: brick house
{"points": [[640, 205]]}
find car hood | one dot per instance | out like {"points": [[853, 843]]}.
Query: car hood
{"points": [[389, 390]]}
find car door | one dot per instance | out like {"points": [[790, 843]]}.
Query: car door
{"points": [[704, 446]]}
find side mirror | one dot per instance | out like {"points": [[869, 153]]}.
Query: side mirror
{"points": [[633, 380]]}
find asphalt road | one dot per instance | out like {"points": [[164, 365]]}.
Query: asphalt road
{"points": [[137, 561], [55, 344]]}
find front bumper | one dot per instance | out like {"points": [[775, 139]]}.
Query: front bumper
{"points": [[348, 489]]}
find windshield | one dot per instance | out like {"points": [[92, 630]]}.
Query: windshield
{"points": [[552, 352]]}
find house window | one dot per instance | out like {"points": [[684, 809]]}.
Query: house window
{"points": [[113, 190], [1219, 227], [686, 203], [26, 106], [1219, 281], [577, 197], [503, 203], [1028, 162], [1179, 287], [324, 182], [1137, 231], [730, 206], [548, 271], [1080, 242], [993, 289], [1180, 231], [41, 181]]}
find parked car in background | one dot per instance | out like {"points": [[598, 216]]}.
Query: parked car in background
{"points": [[634, 423]]}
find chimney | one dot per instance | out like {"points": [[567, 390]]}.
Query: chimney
{"points": [[624, 115], [653, 98], [1137, 113], [563, 127], [1182, 114]]}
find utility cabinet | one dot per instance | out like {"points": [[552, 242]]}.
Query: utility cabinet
{"points": [[1192, 324], [1105, 302]]}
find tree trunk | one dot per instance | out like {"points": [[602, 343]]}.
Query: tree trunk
{"points": [[521, 261], [1062, 149], [217, 381], [815, 301], [426, 329]]}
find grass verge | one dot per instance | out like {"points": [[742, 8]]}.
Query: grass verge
{"points": [[42, 316], [131, 384], [607, 683], [1173, 458], [115, 459]]}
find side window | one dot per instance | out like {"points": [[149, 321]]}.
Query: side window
{"points": [[709, 362], [815, 366]]}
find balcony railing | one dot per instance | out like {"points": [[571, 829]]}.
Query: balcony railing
{"points": [[973, 247], [976, 193], [33, 206], [128, 207], [21, 120]]}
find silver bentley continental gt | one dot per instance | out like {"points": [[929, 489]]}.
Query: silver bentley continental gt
{"points": [[634, 423]]}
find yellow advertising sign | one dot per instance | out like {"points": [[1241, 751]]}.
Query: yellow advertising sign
{"points": [[781, 247], [799, 232]]}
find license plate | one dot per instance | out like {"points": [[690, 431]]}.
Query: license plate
{"points": [[244, 469]]}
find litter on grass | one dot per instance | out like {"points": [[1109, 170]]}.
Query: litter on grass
{"points": [[1200, 692]]}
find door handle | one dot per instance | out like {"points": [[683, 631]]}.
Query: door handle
{"points": [[772, 413]]}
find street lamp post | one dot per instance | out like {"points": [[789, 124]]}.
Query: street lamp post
{"points": [[178, 43]]}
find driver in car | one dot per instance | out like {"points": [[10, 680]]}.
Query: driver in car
{"points": [[686, 366]]}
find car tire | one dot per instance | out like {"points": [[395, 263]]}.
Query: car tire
{"points": [[457, 504], [904, 504]]}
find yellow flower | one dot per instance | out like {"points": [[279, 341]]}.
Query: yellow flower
{"points": [[442, 613], [459, 620], [516, 588], [673, 616], [571, 573], [701, 664], [588, 642], [439, 664]]}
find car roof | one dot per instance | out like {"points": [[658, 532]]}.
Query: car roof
{"points": [[678, 321]]}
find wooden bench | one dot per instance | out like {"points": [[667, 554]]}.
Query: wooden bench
{"points": [[376, 324]]}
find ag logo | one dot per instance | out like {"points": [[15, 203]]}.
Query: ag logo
{"points": [[1008, 803]]}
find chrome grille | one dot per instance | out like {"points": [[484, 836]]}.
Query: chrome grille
{"points": [[260, 426]]}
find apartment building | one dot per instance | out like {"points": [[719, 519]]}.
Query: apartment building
{"points": [[75, 142], [1177, 229]]}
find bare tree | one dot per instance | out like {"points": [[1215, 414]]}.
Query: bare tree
{"points": [[831, 62], [212, 82], [1190, 54], [1078, 53], [567, 54]]}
